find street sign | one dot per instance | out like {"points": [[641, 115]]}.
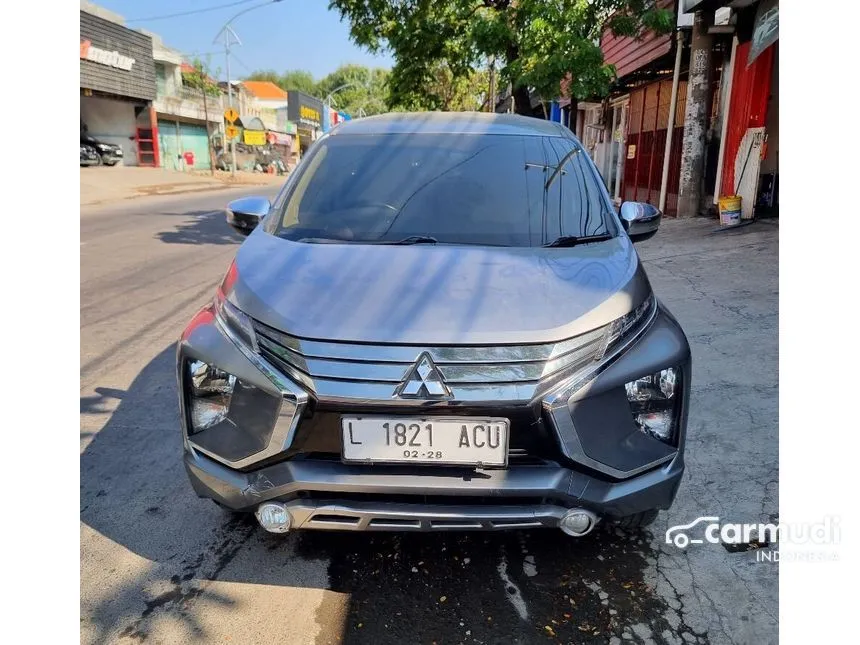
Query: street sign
{"points": [[232, 131], [231, 115]]}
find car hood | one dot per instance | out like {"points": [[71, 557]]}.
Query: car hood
{"points": [[434, 295]]}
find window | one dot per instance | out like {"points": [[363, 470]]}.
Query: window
{"points": [[459, 189]]}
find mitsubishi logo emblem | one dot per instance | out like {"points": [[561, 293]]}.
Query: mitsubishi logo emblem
{"points": [[423, 381]]}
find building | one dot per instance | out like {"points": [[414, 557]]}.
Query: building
{"points": [[187, 121], [643, 119], [117, 80], [306, 112], [747, 162], [268, 97]]}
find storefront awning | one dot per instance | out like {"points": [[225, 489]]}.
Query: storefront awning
{"points": [[251, 122], [765, 28]]}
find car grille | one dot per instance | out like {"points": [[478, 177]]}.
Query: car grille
{"points": [[370, 373]]}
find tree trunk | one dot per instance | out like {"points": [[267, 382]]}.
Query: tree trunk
{"points": [[522, 101], [574, 116], [208, 134]]}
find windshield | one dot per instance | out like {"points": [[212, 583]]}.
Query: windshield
{"points": [[498, 190]]}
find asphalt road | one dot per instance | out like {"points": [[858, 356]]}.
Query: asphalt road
{"points": [[159, 565]]}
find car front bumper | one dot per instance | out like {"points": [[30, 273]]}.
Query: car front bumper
{"points": [[337, 496], [580, 451]]}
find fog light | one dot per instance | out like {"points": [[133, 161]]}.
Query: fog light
{"points": [[273, 517], [578, 522]]}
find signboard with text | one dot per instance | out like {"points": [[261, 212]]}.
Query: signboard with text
{"points": [[115, 59], [304, 110], [254, 137]]}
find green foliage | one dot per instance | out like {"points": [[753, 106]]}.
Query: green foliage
{"points": [[352, 87], [201, 79], [298, 79], [538, 42], [445, 91], [293, 79]]}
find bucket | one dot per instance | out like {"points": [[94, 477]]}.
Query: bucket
{"points": [[730, 210]]}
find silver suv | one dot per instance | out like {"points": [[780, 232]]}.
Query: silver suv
{"points": [[439, 324]]}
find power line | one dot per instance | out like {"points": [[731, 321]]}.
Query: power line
{"points": [[239, 60], [191, 13]]}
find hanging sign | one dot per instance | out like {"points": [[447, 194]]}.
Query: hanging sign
{"points": [[254, 137]]}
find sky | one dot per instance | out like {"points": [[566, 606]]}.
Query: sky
{"points": [[290, 34]]}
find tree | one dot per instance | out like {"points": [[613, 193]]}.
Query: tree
{"points": [[351, 88], [538, 42], [294, 79], [445, 91], [299, 79], [198, 78]]}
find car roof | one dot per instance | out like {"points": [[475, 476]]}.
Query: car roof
{"points": [[451, 123]]}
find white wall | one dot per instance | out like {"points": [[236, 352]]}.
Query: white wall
{"points": [[111, 122]]}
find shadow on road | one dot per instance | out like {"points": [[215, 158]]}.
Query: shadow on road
{"points": [[201, 227], [402, 588]]}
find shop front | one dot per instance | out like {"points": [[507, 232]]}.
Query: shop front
{"points": [[117, 88], [282, 144], [749, 155], [307, 113]]}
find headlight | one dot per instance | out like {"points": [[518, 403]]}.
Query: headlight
{"points": [[654, 402], [229, 418], [234, 319], [210, 393], [619, 328]]}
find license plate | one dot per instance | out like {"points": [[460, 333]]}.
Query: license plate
{"points": [[471, 441]]}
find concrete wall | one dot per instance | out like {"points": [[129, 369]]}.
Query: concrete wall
{"points": [[111, 122]]}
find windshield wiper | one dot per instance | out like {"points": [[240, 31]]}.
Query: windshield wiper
{"points": [[573, 240], [415, 239]]}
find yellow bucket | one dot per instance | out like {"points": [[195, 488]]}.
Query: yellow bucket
{"points": [[730, 210]]}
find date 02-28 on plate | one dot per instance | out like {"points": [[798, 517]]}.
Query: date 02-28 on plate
{"points": [[467, 441]]}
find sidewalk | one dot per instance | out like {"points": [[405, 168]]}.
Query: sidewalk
{"points": [[101, 184]]}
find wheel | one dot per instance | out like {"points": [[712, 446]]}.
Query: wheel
{"points": [[638, 520]]}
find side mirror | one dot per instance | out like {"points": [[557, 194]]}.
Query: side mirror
{"points": [[244, 214], [640, 220]]}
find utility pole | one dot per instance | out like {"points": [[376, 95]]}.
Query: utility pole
{"points": [[228, 31], [696, 117], [492, 99]]}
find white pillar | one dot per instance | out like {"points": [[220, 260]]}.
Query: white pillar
{"points": [[673, 105], [622, 148], [724, 117]]}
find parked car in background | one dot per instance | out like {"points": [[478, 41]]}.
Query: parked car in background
{"points": [[89, 156], [109, 154], [441, 323]]}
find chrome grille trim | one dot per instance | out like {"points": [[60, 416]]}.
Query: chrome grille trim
{"points": [[371, 516], [369, 372]]}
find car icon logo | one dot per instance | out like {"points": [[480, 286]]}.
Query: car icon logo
{"points": [[678, 535]]}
